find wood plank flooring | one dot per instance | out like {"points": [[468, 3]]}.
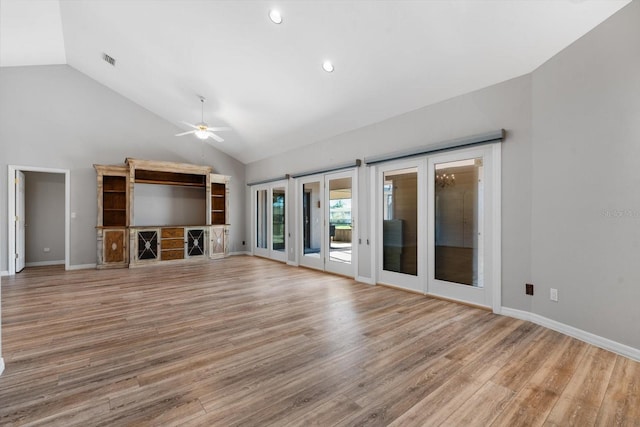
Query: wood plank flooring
{"points": [[251, 342]]}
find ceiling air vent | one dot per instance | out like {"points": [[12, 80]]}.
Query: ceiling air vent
{"points": [[109, 59]]}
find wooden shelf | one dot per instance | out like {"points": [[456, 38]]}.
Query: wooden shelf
{"points": [[169, 178]]}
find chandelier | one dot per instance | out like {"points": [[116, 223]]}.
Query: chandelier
{"points": [[445, 180]]}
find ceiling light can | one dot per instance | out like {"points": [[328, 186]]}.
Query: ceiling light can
{"points": [[275, 16], [327, 66]]}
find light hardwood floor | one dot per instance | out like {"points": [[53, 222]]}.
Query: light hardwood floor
{"points": [[246, 341]]}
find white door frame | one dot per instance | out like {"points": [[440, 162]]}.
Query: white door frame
{"points": [[279, 255], [352, 269], [255, 250], [11, 211], [400, 280], [269, 252], [310, 262]]}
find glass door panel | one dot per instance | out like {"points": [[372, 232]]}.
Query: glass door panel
{"points": [[261, 223], [312, 223], [400, 221], [278, 223], [458, 209], [399, 229], [340, 222]]}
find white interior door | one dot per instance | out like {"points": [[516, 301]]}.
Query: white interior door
{"points": [[340, 213], [20, 221]]}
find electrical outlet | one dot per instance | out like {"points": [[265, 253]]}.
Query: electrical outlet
{"points": [[553, 295], [47, 249], [528, 289]]}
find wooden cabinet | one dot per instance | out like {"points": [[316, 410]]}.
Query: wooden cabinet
{"points": [[172, 243], [112, 217], [219, 199], [121, 244], [218, 241], [146, 245], [196, 243]]}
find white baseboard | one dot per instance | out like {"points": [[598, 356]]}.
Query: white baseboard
{"points": [[239, 253], [43, 263], [81, 267], [366, 280], [588, 337], [1, 365], [4, 273], [292, 263]]}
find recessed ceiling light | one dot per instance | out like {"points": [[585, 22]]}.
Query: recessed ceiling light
{"points": [[327, 66], [275, 16]]}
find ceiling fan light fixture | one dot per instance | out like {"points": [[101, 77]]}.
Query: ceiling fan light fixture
{"points": [[275, 16], [202, 134]]}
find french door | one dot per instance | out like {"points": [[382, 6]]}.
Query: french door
{"points": [[270, 220], [327, 212], [439, 225], [401, 250], [461, 216]]}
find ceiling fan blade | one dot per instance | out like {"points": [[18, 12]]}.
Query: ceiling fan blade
{"points": [[214, 136], [219, 128], [185, 133], [189, 124]]}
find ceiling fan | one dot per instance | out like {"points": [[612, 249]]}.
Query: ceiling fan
{"points": [[202, 130]]}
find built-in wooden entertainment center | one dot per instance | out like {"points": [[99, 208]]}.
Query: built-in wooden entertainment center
{"points": [[122, 242]]}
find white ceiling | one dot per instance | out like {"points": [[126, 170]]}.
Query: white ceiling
{"points": [[266, 80]]}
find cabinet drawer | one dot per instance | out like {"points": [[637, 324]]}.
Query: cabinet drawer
{"points": [[172, 254], [172, 244], [171, 233]]}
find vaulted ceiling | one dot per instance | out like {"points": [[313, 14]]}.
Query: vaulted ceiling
{"points": [[266, 81]]}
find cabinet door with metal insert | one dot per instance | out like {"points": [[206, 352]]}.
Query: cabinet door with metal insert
{"points": [[147, 245]]}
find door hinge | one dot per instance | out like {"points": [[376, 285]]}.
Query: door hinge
{"points": [[17, 218], [17, 256], [16, 181]]}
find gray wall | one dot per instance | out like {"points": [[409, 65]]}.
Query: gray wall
{"points": [[44, 216], [506, 105], [55, 116], [169, 205], [586, 199]]}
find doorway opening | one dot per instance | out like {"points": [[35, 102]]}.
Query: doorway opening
{"points": [[24, 243]]}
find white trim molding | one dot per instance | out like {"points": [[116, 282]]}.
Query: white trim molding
{"points": [[4, 273], [240, 253], [43, 263], [81, 266], [588, 337], [292, 263], [1, 365], [365, 280]]}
